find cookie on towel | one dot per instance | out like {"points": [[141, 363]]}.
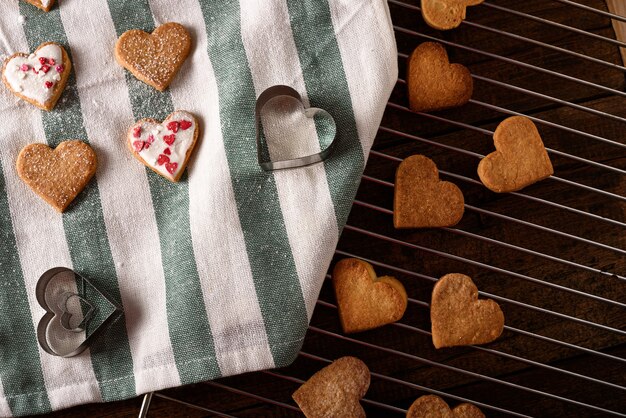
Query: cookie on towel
{"points": [[44, 5]]}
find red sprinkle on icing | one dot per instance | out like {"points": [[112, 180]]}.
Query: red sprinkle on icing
{"points": [[167, 151], [173, 126], [35, 71], [42, 60], [146, 145], [171, 167], [138, 145], [137, 131], [169, 139], [185, 124], [45, 69], [163, 159], [150, 139], [24, 67], [51, 61], [60, 68], [49, 84]]}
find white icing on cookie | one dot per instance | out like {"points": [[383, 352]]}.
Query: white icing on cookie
{"points": [[45, 3], [164, 146], [36, 75]]}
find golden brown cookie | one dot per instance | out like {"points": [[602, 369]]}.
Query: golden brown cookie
{"points": [[165, 147], [38, 78], [421, 200], [58, 175], [154, 58], [458, 317], [364, 300], [44, 5], [446, 14], [434, 83], [520, 158], [431, 406], [335, 390]]}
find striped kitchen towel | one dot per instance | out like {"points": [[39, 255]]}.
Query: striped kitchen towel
{"points": [[217, 274]]}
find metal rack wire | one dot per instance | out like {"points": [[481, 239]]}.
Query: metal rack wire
{"points": [[379, 406]]}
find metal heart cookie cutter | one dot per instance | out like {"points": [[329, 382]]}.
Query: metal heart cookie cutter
{"points": [[77, 312], [314, 113]]}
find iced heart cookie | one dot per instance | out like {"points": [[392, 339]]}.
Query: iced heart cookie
{"points": [[431, 406], [421, 200], [165, 147], [38, 78], [57, 175], [520, 158], [364, 300], [154, 58], [446, 14], [44, 5], [335, 390], [458, 317], [434, 83]]}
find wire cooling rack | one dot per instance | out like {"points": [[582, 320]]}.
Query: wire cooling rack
{"points": [[553, 255]]}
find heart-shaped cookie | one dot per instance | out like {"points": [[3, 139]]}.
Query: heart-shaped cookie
{"points": [[58, 175], [421, 200], [165, 147], [335, 390], [38, 78], [458, 317], [154, 58], [520, 158], [44, 5], [431, 406], [446, 14], [76, 312], [434, 83], [364, 300]]}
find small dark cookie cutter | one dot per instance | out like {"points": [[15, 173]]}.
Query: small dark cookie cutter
{"points": [[268, 165], [65, 316]]}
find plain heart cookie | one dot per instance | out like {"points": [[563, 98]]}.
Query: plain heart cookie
{"points": [[434, 83], [458, 317], [446, 14], [57, 175], [44, 5], [421, 200], [154, 58], [335, 390], [364, 300], [431, 406], [165, 147], [520, 158], [38, 78]]}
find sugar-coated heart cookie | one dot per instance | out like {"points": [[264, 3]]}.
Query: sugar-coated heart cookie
{"points": [[154, 58], [38, 78], [520, 158], [446, 14], [44, 5], [431, 406], [421, 200], [335, 390], [57, 175], [165, 147], [364, 300], [458, 317], [434, 83]]}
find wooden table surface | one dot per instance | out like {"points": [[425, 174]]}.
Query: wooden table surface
{"points": [[504, 285]]}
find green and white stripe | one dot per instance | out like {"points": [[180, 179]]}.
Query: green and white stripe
{"points": [[219, 273]]}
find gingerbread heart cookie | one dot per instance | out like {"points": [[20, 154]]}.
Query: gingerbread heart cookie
{"points": [[421, 200], [335, 390], [44, 5], [431, 406], [38, 78], [165, 147], [520, 158], [364, 300], [446, 14], [458, 317], [57, 175], [434, 83], [154, 58]]}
